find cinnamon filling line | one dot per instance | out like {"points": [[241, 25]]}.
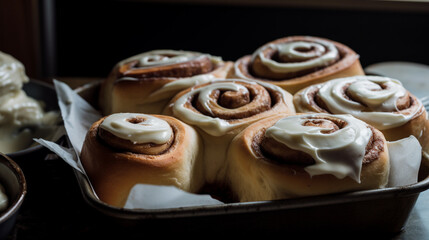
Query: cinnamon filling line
{"points": [[257, 68], [199, 65]]}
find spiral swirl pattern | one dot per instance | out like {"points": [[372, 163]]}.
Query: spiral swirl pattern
{"points": [[383, 102], [291, 59], [222, 105], [296, 62]]}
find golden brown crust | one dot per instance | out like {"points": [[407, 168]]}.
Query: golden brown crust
{"points": [[114, 172], [255, 176], [347, 65]]}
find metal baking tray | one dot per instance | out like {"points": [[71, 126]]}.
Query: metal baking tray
{"points": [[380, 211]]}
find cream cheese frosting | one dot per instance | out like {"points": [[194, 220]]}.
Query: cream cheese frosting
{"points": [[339, 153], [12, 76], [21, 117], [138, 128], [376, 99]]}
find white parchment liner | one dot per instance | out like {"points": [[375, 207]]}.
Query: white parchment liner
{"points": [[79, 115]]}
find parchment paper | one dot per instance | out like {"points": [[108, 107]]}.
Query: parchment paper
{"points": [[78, 116]]}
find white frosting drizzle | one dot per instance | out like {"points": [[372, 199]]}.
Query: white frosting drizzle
{"points": [[167, 57], [180, 84], [4, 200], [322, 54], [339, 153], [380, 110], [151, 130], [163, 57], [212, 125]]}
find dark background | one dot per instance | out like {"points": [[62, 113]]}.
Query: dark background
{"points": [[91, 39], [60, 38]]}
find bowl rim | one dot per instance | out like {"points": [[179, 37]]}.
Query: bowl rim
{"points": [[22, 191]]}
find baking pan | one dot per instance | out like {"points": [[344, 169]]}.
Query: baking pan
{"points": [[381, 211]]}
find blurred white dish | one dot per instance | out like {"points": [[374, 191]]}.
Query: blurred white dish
{"points": [[44, 92]]}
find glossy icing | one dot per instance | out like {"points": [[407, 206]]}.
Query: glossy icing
{"points": [[138, 128], [375, 99], [211, 124], [339, 153], [322, 54]]}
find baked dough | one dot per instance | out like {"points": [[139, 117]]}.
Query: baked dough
{"points": [[300, 155], [124, 149]]}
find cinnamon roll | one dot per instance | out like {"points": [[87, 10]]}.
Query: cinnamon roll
{"points": [[300, 155], [298, 61], [380, 101], [221, 109], [146, 82], [124, 149]]}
